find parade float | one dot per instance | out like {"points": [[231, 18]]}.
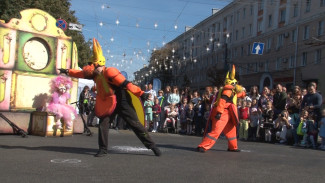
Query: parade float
{"points": [[32, 49]]}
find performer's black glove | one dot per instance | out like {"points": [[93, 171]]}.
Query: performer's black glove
{"points": [[64, 71], [144, 96], [218, 116]]}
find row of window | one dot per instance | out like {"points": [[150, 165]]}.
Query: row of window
{"points": [[281, 63]]}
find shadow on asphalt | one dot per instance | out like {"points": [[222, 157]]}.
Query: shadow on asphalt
{"points": [[73, 150]]}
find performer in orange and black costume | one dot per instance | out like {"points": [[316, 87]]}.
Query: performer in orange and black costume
{"points": [[224, 115], [112, 98]]}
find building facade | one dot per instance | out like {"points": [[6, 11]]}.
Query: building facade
{"points": [[292, 32]]}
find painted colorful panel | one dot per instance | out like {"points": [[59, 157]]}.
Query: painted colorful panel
{"points": [[25, 95], [7, 48], [64, 53], [36, 53], [5, 87]]}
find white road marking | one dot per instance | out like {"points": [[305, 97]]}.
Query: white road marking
{"points": [[130, 148], [65, 161]]}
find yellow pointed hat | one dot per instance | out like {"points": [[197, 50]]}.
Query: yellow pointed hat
{"points": [[230, 79], [98, 57]]}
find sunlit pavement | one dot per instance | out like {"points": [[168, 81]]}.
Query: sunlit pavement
{"points": [[70, 159]]}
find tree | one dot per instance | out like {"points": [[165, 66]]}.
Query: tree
{"points": [[186, 82], [58, 9], [216, 76]]}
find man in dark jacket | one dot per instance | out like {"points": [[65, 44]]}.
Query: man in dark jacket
{"points": [[312, 101], [279, 100]]}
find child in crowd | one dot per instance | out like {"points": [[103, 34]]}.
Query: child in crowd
{"points": [[311, 130], [156, 110], [254, 120], [254, 103], [267, 121], [322, 130], [172, 114], [243, 120], [162, 102], [148, 104], [303, 128], [182, 114], [199, 110], [281, 126], [189, 119]]}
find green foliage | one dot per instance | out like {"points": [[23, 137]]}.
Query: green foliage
{"points": [[58, 9], [187, 81], [216, 76]]}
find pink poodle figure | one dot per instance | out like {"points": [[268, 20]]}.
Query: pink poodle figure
{"points": [[58, 104]]}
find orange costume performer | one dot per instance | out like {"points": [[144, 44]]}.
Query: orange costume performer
{"points": [[112, 98], [224, 115]]}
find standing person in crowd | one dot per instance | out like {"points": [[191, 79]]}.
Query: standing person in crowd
{"points": [[224, 115], [293, 107], [267, 122], [195, 99], [146, 88], [206, 116], [92, 103], [207, 96], [174, 98], [312, 101], [254, 103], [167, 93], [312, 130], [214, 94], [254, 93], [282, 125], [303, 128], [185, 94], [84, 100], [189, 119], [284, 89], [148, 104], [162, 102], [264, 98], [156, 110], [279, 100], [113, 98], [182, 114], [304, 92], [254, 121], [198, 117], [243, 120], [322, 130], [151, 91]]}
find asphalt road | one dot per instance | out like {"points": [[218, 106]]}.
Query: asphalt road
{"points": [[70, 159]]}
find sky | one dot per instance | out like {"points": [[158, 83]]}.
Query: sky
{"points": [[129, 30]]}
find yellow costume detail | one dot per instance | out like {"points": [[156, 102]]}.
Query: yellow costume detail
{"points": [[98, 57]]}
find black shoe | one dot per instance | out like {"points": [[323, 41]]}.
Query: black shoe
{"points": [[233, 150], [201, 150], [101, 154], [156, 151]]}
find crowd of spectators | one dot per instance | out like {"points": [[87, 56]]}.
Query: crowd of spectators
{"points": [[275, 115]]}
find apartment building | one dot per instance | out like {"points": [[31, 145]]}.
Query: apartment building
{"points": [[292, 32]]}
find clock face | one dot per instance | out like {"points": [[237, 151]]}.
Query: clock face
{"points": [[36, 54]]}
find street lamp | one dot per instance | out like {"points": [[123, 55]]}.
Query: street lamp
{"points": [[226, 53]]}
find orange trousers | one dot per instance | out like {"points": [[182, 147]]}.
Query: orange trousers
{"points": [[225, 124]]}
